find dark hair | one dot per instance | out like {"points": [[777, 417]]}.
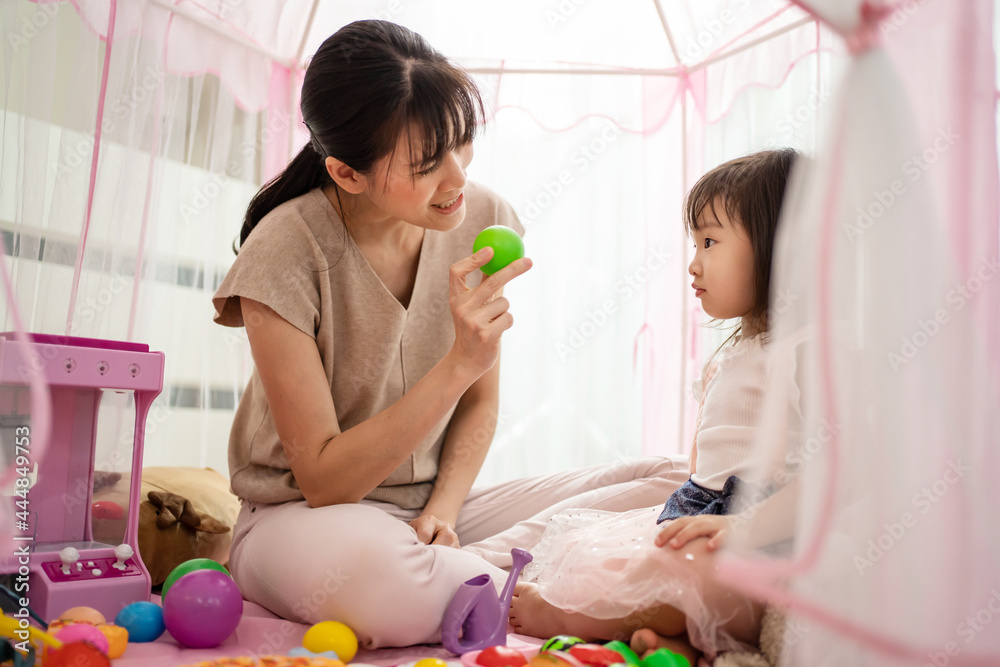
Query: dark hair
{"points": [[751, 189], [363, 88]]}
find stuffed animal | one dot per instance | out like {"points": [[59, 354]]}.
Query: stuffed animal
{"points": [[185, 513]]}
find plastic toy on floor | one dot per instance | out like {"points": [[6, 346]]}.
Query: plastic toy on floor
{"points": [[21, 644], [331, 639], [51, 498], [475, 617], [203, 608], [567, 651]]}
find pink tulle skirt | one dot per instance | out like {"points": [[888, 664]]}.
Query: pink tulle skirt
{"points": [[606, 565]]}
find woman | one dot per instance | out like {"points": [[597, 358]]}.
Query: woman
{"points": [[374, 398]]}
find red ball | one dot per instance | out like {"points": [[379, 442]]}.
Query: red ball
{"points": [[501, 656], [203, 608], [76, 654]]}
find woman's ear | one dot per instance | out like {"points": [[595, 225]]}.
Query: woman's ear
{"points": [[346, 177]]}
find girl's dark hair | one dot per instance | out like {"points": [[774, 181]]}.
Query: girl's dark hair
{"points": [[367, 84], [750, 189]]}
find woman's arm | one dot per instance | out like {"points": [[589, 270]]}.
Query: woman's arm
{"points": [[465, 447], [334, 467]]}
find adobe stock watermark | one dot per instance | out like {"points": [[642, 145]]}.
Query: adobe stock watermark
{"points": [[967, 631], [711, 32], [116, 112], [898, 18], [30, 27], [89, 310], [913, 170], [923, 502], [217, 182], [629, 284], [562, 11], [795, 120], [794, 461], [585, 155], [958, 297]]}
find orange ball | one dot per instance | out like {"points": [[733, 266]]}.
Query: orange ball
{"points": [[117, 639], [83, 615]]}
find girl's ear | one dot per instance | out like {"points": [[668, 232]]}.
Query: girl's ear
{"points": [[346, 177]]}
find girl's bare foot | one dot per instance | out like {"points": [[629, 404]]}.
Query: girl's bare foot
{"points": [[531, 615], [646, 641]]}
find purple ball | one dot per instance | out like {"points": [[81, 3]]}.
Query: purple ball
{"points": [[203, 608]]}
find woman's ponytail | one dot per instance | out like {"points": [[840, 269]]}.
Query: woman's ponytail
{"points": [[305, 172]]}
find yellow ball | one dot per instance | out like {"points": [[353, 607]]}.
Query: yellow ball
{"points": [[332, 636], [431, 662]]}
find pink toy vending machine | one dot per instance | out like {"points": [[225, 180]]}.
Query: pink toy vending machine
{"points": [[52, 522]]}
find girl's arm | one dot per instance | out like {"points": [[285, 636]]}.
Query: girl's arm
{"points": [[694, 458], [465, 447], [333, 467]]}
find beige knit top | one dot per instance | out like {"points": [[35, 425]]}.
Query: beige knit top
{"points": [[301, 262]]}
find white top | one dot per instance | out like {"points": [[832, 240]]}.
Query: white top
{"points": [[731, 405]]}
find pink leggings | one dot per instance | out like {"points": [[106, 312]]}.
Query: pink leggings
{"points": [[363, 565]]}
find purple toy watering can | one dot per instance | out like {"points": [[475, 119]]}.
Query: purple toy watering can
{"points": [[475, 618]]}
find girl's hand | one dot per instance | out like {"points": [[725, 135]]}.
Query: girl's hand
{"points": [[432, 530], [679, 532], [480, 316]]}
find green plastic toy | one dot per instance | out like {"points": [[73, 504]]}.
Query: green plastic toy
{"points": [[507, 247]]}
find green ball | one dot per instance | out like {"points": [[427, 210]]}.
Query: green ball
{"points": [[190, 566], [625, 651], [560, 643], [507, 247], [663, 657]]}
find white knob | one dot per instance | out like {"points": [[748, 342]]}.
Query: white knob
{"points": [[122, 552], [68, 556]]}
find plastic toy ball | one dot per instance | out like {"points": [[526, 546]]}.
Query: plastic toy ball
{"points": [[560, 643], [203, 608], [83, 615], [595, 655], [332, 636], [117, 639], [190, 566], [501, 656], [554, 659], [142, 620], [431, 662], [82, 632], [662, 657], [623, 649], [507, 247], [75, 654]]}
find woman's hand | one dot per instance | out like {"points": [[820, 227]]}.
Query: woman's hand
{"points": [[679, 532], [480, 316], [432, 530]]}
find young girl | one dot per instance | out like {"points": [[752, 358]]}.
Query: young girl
{"points": [[602, 576]]}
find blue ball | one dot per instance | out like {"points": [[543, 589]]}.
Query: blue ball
{"points": [[143, 620]]}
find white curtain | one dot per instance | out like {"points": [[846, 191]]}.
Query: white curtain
{"points": [[873, 518], [199, 108]]}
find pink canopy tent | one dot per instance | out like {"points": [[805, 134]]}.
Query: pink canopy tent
{"points": [[134, 133]]}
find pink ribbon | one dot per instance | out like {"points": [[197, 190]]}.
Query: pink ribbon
{"points": [[867, 35]]}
